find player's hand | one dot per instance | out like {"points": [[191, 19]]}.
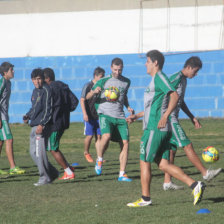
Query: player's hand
{"points": [[39, 129], [25, 119], [196, 123], [162, 123], [97, 90], [130, 119], [85, 118], [130, 110]]}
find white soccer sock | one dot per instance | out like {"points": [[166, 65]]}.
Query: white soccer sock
{"points": [[68, 171], [100, 159], [121, 173]]}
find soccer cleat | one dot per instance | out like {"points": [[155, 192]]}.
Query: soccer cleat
{"points": [[124, 178], [171, 186], [67, 177], [16, 170], [139, 203], [2, 172], [198, 192], [211, 174], [98, 167], [89, 158]]}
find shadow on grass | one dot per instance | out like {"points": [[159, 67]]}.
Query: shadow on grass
{"points": [[216, 200]]}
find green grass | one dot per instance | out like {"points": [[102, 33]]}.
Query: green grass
{"points": [[102, 199]]}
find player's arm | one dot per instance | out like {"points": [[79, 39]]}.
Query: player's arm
{"points": [[130, 119], [171, 106], [126, 103], [93, 92], [194, 120], [82, 103]]}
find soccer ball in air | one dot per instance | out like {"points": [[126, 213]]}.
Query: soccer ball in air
{"points": [[111, 93], [210, 154]]}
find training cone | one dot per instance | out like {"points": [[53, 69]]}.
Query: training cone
{"points": [[203, 211], [75, 164]]}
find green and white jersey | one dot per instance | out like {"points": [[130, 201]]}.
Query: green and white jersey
{"points": [[156, 101], [113, 109], [4, 100], [179, 82], [2, 88]]}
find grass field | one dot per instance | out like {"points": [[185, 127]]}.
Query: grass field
{"points": [[102, 199]]}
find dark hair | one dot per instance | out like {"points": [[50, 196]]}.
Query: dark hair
{"points": [[156, 55], [117, 61], [5, 66], [49, 73], [37, 72], [98, 71], [193, 62]]}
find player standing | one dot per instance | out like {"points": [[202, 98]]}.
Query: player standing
{"points": [[90, 116], [179, 138], [7, 73], [157, 132], [112, 116], [40, 115]]}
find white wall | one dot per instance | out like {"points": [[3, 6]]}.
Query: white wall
{"points": [[111, 32]]}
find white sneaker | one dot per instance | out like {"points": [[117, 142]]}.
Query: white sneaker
{"points": [[198, 192], [139, 203], [171, 186], [211, 174]]}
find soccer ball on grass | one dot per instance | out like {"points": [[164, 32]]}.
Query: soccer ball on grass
{"points": [[112, 94], [210, 154]]}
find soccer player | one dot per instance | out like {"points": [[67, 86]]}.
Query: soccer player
{"points": [[7, 73], [40, 115], [90, 117], [112, 116], [157, 131], [60, 121], [179, 138]]}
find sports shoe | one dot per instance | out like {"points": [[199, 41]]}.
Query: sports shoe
{"points": [[171, 186], [211, 174], [67, 177], [139, 203], [124, 178], [98, 167], [41, 183], [198, 192], [2, 172], [16, 170], [89, 158]]}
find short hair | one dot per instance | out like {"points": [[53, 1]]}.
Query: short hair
{"points": [[193, 62], [156, 55], [117, 61], [37, 72], [98, 71], [5, 66], [49, 73]]}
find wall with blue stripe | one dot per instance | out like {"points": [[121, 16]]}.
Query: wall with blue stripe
{"points": [[204, 95]]}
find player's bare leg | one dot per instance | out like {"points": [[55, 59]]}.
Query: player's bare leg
{"points": [[87, 143], [124, 155], [194, 159], [167, 177], [145, 178], [9, 152], [1, 145], [60, 159]]}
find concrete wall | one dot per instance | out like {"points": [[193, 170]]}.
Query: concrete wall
{"points": [[204, 96]]}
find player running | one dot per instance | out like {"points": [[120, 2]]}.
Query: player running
{"points": [[157, 131]]}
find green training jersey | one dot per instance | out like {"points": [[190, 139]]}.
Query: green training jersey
{"points": [[116, 108], [156, 101], [179, 82]]}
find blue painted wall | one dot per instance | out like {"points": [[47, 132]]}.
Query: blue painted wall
{"points": [[204, 96]]}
